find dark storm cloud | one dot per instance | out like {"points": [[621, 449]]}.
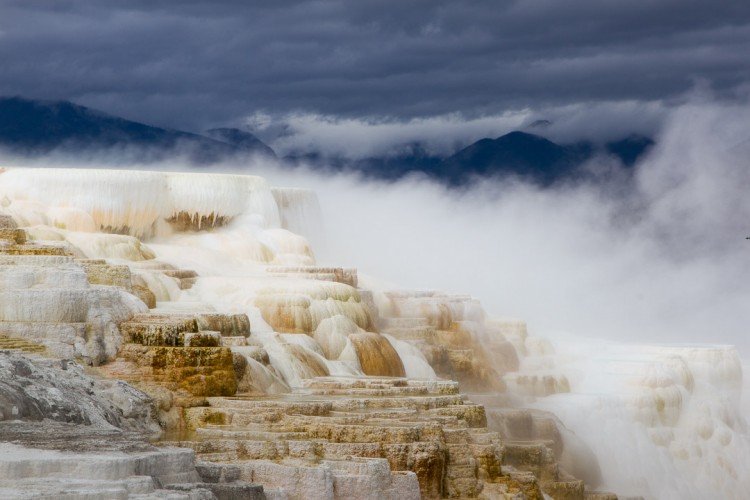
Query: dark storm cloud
{"points": [[192, 64]]}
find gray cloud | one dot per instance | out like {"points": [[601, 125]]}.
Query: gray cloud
{"points": [[194, 64]]}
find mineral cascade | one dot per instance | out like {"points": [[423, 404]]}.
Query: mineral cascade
{"points": [[170, 335]]}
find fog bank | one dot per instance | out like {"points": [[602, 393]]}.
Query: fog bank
{"points": [[663, 259]]}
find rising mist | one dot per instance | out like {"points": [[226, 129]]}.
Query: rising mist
{"points": [[662, 257]]}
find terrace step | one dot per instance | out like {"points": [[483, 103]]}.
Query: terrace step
{"points": [[14, 235], [63, 340], [35, 260], [347, 276], [16, 344]]}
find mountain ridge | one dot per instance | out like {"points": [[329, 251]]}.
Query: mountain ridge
{"points": [[517, 154], [33, 128]]}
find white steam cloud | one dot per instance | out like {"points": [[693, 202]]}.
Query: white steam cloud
{"points": [[663, 260], [359, 138]]}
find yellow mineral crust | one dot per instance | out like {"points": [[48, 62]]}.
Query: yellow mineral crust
{"points": [[376, 355], [199, 371], [302, 305]]}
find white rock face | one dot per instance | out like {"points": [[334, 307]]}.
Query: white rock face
{"points": [[357, 479], [35, 389], [27, 473], [371, 479], [113, 199], [135, 203], [55, 306]]}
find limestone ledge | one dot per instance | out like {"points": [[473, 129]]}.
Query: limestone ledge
{"points": [[198, 371], [155, 329], [299, 442], [62, 461], [344, 275]]}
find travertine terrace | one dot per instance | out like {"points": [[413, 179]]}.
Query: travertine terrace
{"points": [[185, 309]]}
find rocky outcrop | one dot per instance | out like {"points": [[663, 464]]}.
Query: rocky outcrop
{"points": [[54, 460], [182, 352], [298, 306], [36, 389], [48, 299], [452, 334], [344, 275], [392, 438]]}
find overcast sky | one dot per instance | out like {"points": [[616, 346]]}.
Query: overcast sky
{"points": [[193, 64]]}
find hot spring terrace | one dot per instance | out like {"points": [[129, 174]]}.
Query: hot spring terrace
{"points": [[189, 307]]}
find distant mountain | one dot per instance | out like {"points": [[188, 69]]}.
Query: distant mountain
{"points": [[34, 128], [407, 158], [629, 149], [31, 127], [393, 165], [533, 158], [518, 154]]}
